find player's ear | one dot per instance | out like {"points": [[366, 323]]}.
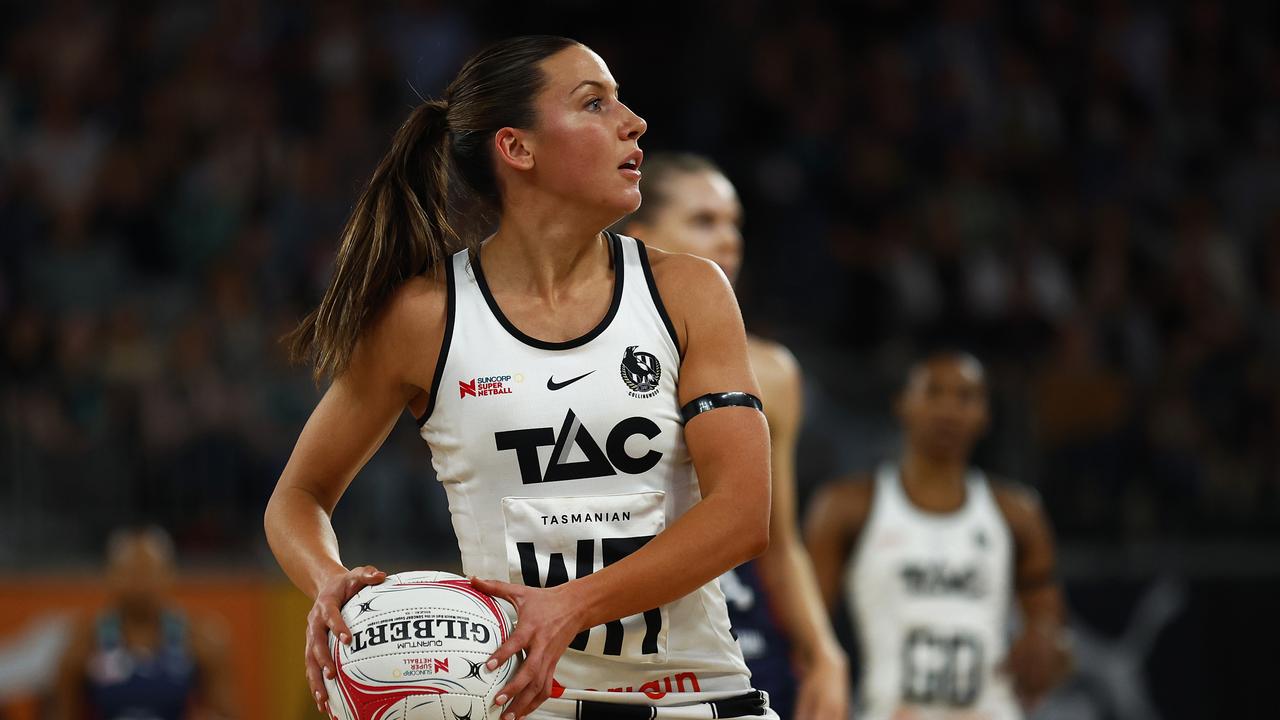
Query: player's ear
{"points": [[514, 148]]}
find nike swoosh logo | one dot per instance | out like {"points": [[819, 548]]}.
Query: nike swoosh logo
{"points": [[553, 385]]}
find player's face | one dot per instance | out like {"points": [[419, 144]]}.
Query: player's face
{"points": [[944, 407], [701, 216], [585, 136], [139, 573]]}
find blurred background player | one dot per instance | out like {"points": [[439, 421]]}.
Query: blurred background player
{"points": [[142, 658], [691, 207], [928, 553]]}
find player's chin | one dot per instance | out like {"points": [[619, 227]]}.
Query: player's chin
{"points": [[624, 201]]}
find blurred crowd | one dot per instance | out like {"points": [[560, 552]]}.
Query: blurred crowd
{"points": [[1087, 197]]}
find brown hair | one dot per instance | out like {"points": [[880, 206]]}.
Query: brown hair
{"points": [[437, 176]]}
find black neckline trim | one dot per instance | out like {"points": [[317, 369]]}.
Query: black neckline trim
{"points": [[619, 266], [657, 297], [449, 312]]}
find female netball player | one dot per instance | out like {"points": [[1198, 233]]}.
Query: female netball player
{"points": [[929, 554], [691, 207], [142, 656], [589, 405]]}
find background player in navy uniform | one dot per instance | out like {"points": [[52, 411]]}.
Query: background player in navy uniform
{"points": [[928, 553], [143, 658], [535, 128], [774, 603]]}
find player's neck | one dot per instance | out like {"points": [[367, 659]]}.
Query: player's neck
{"points": [[543, 259], [934, 484]]}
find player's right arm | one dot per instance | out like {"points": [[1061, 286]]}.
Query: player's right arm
{"points": [[393, 360], [836, 516]]}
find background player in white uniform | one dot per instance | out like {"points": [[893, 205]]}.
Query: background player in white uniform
{"points": [[550, 327], [691, 207], [929, 554]]}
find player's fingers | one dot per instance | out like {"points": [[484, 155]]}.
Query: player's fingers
{"points": [[515, 686], [323, 663], [335, 623], [318, 647], [364, 575], [527, 700], [515, 643], [507, 591], [316, 685]]}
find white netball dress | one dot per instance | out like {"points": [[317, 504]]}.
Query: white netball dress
{"points": [[561, 458], [930, 595]]}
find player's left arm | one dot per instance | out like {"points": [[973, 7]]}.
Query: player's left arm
{"points": [[209, 648], [785, 566], [728, 526], [1040, 657]]}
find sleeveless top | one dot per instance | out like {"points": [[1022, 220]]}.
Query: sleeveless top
{"points": [[561, 458], [930, 596], [123, 684], [764, 645]]}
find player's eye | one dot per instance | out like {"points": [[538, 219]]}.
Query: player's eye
{"points": [[594, 104]]}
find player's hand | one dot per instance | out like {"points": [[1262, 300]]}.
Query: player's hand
{"points": [[1038, 660], [326, 617], [824, 687], [546, 622]]}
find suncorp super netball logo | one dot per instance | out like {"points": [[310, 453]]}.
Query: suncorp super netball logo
{"points": [[489, 385]]}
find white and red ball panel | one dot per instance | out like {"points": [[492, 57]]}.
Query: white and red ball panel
{"points": [[419, 644]]}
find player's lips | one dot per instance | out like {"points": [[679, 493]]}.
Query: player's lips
{"points": [[630, 165]]}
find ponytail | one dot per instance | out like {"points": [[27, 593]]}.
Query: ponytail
{"points": [[398, 229]]}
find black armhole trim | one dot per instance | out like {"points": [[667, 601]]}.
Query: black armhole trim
{"points": [[657, 297], [711, 401], [616, 257], [450, 310]]}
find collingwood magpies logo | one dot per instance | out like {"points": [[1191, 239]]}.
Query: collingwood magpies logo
{"points": [[641, 371]]}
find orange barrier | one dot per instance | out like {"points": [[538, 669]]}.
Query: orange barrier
{"points": [[264, 621]]}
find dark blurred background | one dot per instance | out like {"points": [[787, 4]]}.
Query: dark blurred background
{"points": [[1085, 194]]}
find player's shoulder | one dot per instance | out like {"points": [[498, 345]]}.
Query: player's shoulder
{"points": [[1018, 502], [772, 360], [683, 274], [419, 293], [414, 309], [847, 498], [405, 333]]}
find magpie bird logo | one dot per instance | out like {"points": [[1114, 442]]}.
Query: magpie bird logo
{"points": [[641, 372]]}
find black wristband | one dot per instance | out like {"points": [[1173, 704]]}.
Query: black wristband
{"points": [[711, 401]]}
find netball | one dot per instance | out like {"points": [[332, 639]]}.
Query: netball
{"points": [[418, 650]]}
